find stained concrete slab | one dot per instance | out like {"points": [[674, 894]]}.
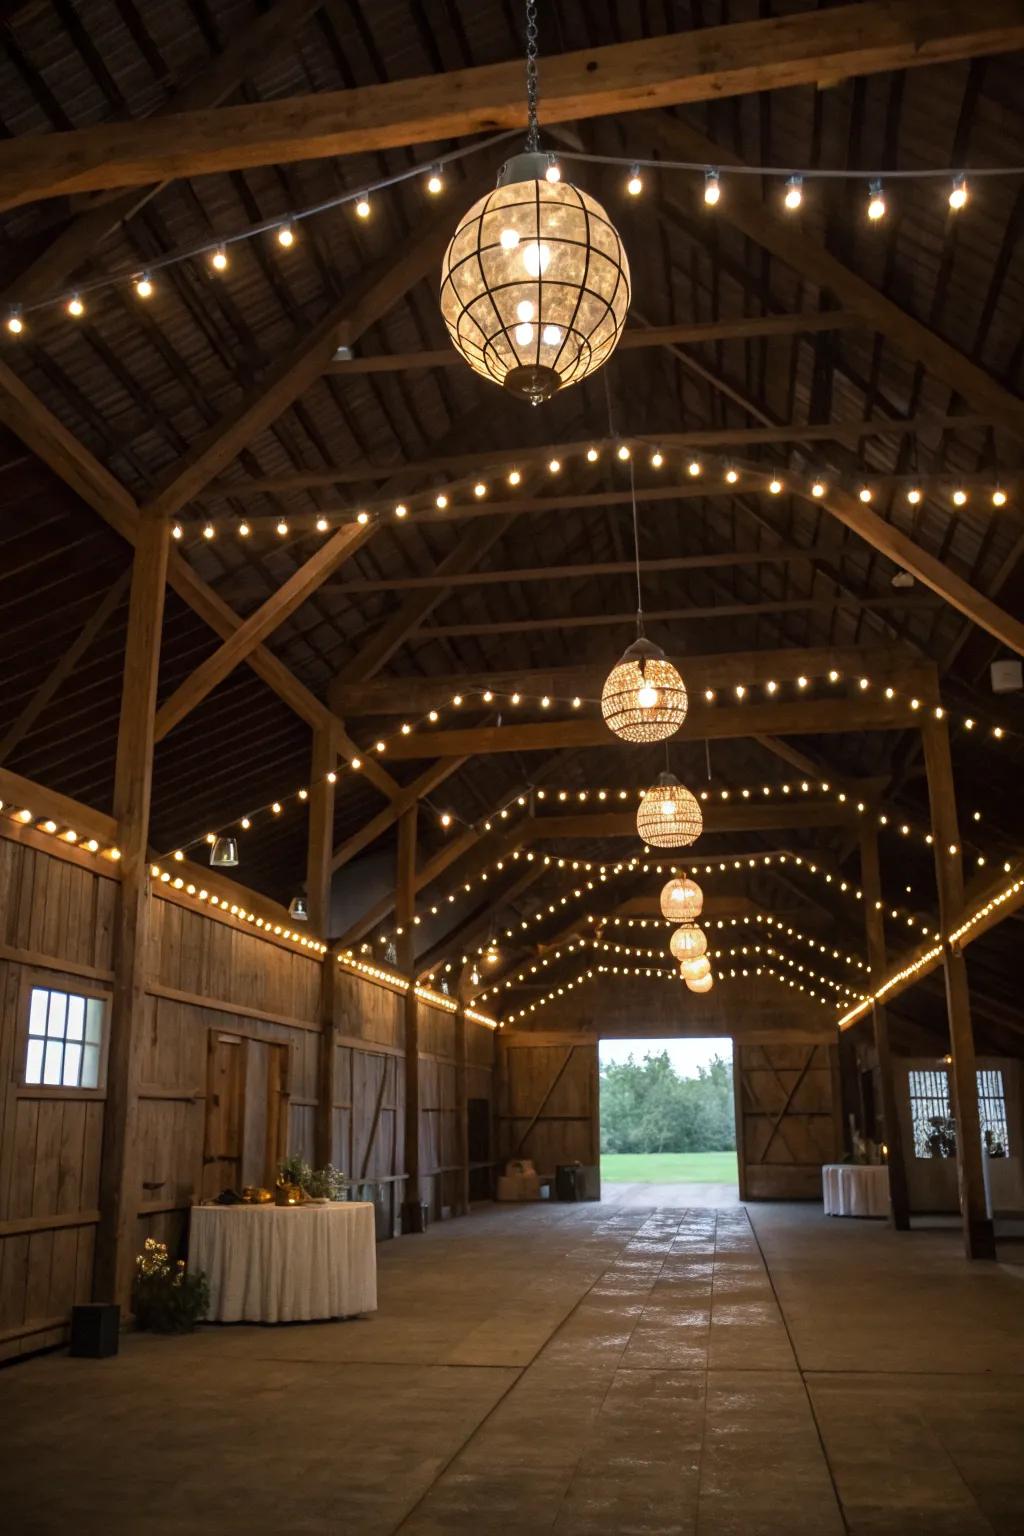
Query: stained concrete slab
{"points": [[576, 1369]]}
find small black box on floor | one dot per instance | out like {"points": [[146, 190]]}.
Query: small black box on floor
{"points": [[95, 1328]]}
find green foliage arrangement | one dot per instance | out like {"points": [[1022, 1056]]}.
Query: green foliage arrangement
{"points": [[327, 1183], [167, 1299], [647, 1107]]}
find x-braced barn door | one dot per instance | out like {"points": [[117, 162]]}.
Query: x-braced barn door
{"points": [[548, 1108], [786, 1119]]}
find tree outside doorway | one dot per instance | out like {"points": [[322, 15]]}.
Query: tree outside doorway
{"points": [[667, 1119]]}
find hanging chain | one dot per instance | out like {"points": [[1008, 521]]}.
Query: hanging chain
{"points": [[636, 554], [532, 134]]}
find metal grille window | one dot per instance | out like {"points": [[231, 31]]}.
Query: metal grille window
{"points": [[930, 1116], [992, 1112], [65, 1033]]}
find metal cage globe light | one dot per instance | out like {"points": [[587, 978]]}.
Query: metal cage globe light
{"points": [[688, 942], [644, 698], [682, 899], [668, 815], [700, 983], [695, 969], [535, 282]]}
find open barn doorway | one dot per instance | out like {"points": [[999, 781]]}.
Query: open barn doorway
{"points": [[668, 1122]]}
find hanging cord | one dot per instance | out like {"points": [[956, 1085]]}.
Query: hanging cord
{"points": [[636, 554], [533, 133], [707, 757]]}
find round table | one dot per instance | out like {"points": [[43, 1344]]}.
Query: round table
{"points": [[855, 1189], [286, 1264]]}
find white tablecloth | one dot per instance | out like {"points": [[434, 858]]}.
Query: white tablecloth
{"points": [[852, 1189], [286, 1264]]}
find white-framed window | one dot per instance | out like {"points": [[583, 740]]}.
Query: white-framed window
{"points": [[64, 1046], [931, 1114], [992, 1112]]}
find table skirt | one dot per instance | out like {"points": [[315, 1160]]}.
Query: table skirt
{"points": [[852, 1189], [286, 1264]]}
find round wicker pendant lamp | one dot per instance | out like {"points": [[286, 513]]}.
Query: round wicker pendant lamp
{"points": [[535, 282], [682, 899], [695, 969], [668, 815], [701, 984], [688, 942]]}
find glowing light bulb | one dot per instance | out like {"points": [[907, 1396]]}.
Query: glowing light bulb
{"points": [[551, 335], [286, 236], [958, 193], [712, 187], [914, 496], [282, 527], [479, 489], [514, 477], [554, 465], [219, 259], [731, 476], [401, 510], [959, 497], [508, 239], [657, 459], [876, 202], [794, 192], [321, 525], [363, 208], [775, 485], [435, 181], [668, 808], [622, 451], [647, 696], [144, 286], [524, 334], [536, 256], [999, 497], [208, 531], [363, 517], [75, 307], [817, 489], [177, 531], [441, 500], [592, 455], [635, 185], [694, 468], [552, 173], [864, 494]]}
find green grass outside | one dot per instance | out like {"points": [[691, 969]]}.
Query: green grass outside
{"points": [[669, 1167]]}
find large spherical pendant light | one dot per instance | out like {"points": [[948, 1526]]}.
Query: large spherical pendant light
{"points": [[535, 283], [695, 969], [682, 899], [700, 983], [644, 698], [688, 942], [668, 815]]}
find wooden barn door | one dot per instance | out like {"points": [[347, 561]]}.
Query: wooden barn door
{"points": [[787, 1119], [548, 1109], [246, 1112]]}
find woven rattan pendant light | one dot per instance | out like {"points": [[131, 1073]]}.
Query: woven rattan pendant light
{"points": [[688, 942], [668, 815], [535, 282], [644, 698], [700, 983], [695, 969], [682, 899]]}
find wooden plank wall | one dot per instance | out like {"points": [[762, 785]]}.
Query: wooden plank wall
{"points": [[789, 1118], [204, 974]]}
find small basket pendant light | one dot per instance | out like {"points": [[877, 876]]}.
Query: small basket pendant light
{"points": [[682, 899], [688, 942], [696, 969], [699, 983], [668, 815]]}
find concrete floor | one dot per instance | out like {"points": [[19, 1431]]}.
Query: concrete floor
{"points": [[689, 1196], [578, 1369]]}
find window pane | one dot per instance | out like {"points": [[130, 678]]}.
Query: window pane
{"points": [[52, 1061], [56, 1019], [72, 1065], [90, 1067], [34, 1062], [933, 1127], [37, 1011], [76, 1017], [992, 1112], [93, 1019]]}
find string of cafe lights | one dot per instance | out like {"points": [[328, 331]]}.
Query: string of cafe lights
{"points": [[403, 985], [215, 253], [653, 973], [24, 816], [435, 502]]}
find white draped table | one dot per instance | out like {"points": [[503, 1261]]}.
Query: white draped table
{"points": [[855, 1189], [286, 1264]]}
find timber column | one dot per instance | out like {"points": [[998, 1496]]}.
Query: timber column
{"points": [[979, 1238], [320, 847], [874, 923], [405, 897], [120, 1174]]}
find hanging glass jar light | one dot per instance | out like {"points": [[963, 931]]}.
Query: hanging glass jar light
{"points": [[668, 815], [695, 969], [224, 853], [682, 899], [688, 942], [700, 983], [644, 698]]}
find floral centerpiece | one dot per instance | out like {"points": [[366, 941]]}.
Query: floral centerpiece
{"points": [[167, 1299], [328, 1183]]}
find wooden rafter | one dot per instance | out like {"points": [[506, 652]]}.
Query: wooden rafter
{"points": [[686, 66]]}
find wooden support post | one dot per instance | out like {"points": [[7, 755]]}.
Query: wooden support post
{"points": [[979, 1239], [405, 897], [461, 1109], [319, 847], [326, 1076], [874, 924], [120, 1173]]}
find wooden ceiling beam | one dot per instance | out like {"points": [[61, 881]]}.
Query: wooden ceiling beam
{"points": [[417, 695], [812, 322], [848, 433], [744, 207], [716, 723], [368, 833], [244, 58], [685, 66]]}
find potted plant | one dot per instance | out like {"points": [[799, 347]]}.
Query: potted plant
{"points": [[167, 1299]]}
